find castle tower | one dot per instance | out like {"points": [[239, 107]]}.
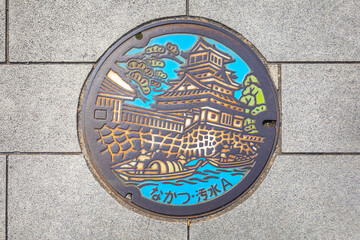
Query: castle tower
{"points": [[203, 93]]}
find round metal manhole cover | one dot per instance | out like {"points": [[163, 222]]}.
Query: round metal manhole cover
{"points": [[179, 118]]}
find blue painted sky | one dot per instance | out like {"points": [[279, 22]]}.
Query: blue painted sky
{"points": [[185, 42]]}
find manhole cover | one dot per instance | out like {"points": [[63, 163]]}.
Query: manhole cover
{"points": [[179, 118]]}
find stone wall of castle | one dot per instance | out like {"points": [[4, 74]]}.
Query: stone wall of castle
{"points": [[124, 142]]}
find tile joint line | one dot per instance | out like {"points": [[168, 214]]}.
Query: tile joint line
{"points": [[314, 62], [319, 153], [40, 153], [280, 105], [6, 195], [187, 7], [44, 63], [188, 229], [6, 31]]}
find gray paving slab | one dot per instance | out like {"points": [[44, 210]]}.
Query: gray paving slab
{"points": [[291, 30], [320, 108], [77, 30], [2, 31], [56, 197], [38, 107], [2, 195], [303, 197]]}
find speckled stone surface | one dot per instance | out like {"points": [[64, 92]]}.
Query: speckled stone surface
{"points": [[2, 31], [303, 197], [77, 30], [38, 107], [320, 108], [56, 197], [2, 195], [291, 30], [274, 73]]}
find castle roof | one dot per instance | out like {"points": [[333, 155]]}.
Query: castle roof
{"points": [[179, 95], [188, 79], [222, 77], [202, 45], [199, 90], [114, 86]]}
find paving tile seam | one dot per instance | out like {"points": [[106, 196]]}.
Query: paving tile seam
{"points": [[313, 62], [187, 7], [6, 195], [40, 153], [45, 63], [279, 94], [6, 31], [321, 153], [188, 229]]}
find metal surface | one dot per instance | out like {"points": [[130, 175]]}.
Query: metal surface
{"points": [[180, 116]]}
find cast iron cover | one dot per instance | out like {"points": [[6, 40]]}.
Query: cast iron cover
{"points": [[173, 117]]}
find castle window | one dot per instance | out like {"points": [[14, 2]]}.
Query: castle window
{"points": [[237, 123], [198, 58], [205, 57], [213, 117], [226, 119], [191, 59], [212, 58]]}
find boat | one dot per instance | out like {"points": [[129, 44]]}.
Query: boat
{"points": [[157, 170], [232, 161]]}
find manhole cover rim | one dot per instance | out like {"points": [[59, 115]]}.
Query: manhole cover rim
{"points": [[87, 152]]}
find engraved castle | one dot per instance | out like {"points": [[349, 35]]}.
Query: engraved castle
{"points": [[197, 116]]}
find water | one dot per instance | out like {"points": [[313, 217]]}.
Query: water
{"points": [[207, 183]]}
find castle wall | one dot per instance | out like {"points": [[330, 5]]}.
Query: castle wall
{"points": [[124, 142]]}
